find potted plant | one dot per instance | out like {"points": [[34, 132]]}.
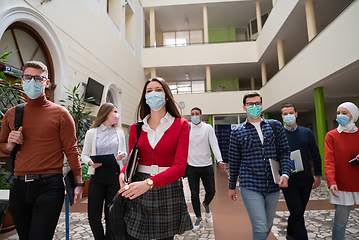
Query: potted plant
{"points": [[80, 112], [86, 178], [10, 95], [5, 217]]}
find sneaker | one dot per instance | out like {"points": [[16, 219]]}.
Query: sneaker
{"points": [[197, 225], [207, 210]]}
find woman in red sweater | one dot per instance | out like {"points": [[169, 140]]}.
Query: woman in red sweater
{"points": [[157, 208], [341, 146]]}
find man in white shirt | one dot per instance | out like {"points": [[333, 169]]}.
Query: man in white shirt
{"points": [[202, 139]]}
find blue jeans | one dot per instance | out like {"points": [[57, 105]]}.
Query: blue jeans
{"points": [[261, 208], [36, 206], [340, 221]]}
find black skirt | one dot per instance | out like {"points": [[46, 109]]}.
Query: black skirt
{"points": [[160, 212]]}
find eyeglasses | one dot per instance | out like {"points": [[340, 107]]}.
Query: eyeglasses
{"points": [[250, 104], [37, 78]]}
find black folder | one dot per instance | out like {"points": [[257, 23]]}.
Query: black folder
{"points": [[69, 182]]}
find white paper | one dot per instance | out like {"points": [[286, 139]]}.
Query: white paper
{"points": [[275, 167]]}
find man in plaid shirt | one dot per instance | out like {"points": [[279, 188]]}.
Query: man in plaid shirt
{"points": [[252, 144]]}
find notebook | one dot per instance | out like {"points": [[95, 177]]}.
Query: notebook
{"points": [[297, 163]]}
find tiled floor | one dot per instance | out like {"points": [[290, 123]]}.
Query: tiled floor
{"points": [[319, 217]]}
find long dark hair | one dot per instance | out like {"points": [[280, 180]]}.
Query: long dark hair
{"points": [[102, 114], [171, 105]]}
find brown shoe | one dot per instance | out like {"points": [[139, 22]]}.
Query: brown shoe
{"points": [[290, 237]]}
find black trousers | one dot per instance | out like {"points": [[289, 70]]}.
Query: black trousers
{"points": [[103, 187], [297, 196], [194, 174], [35, 207]]}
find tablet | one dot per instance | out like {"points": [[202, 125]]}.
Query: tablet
{"points": [[107, 160]]}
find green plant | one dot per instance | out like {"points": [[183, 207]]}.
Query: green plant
{"points": [[85, 168], [10, 92], [79, 111], [5, 181]]}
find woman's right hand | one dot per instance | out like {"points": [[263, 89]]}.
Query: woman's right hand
{"points": [[94, 165], [121, 179], [334, 190]]}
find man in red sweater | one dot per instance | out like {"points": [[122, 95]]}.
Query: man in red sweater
{"points": [[47, 132]]}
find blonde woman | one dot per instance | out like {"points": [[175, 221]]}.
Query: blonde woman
{"points": [[104, 137]]}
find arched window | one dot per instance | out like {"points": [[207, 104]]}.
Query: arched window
{"points": [[26, 45]]}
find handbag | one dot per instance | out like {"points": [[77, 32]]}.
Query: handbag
{"points": [[10, 162], [116, 214], [116, 209], [133, 157]]}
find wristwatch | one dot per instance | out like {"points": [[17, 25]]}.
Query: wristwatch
{"points": [[149, 182], [82, 184]]}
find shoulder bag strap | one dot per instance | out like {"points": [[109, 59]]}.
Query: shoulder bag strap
{"points": [[138, 129]]}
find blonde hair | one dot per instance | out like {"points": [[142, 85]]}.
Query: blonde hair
{"points": [[102, 114]]}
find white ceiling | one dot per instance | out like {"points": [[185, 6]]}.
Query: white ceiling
{"points": [[293, 33]]}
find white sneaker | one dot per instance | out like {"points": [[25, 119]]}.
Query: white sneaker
{"points": [[207, 210], [197, 225]]}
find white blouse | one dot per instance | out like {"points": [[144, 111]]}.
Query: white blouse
{"points": [[154, 136]]}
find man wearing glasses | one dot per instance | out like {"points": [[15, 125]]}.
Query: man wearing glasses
{"points": [[252, 144], [47, 132]]}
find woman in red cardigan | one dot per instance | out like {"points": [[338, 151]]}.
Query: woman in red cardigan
{"points": [[341, 146], [157, 208]]}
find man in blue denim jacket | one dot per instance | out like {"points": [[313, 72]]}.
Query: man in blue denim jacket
{"points": [[252, 144]]}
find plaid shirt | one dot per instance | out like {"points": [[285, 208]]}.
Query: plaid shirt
{"points": [[249, 158]]}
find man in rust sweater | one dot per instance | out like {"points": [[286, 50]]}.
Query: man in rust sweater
{"points": [[47, 132]]}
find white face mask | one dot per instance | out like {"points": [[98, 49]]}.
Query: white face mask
{"points": [[32, 89], [156, 100], [289, 119]]}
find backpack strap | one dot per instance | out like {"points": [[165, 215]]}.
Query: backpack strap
{"points": [[274, 128], [19, 110]]}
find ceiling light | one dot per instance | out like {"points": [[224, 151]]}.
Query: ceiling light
{"points": [[187, 76], [186, 21]]}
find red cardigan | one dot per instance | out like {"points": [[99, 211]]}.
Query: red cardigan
{"points": [[339, 149], [171, 151]]}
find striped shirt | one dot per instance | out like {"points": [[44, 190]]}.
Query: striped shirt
{"points": [[249, 158]]}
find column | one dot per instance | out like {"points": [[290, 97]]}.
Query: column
{"points": [[205, 25], [152, 29], [153, 72], [310, 16], [280, 52], [259, 17], [274, 2], [264, 73], [208, 79], [253, 86], [321, 124]]}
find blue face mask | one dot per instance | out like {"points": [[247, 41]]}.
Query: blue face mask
{"points": [[254, 111], [32, 89], [343, 120], [289, 119], [156, 100], [195, 119]]}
